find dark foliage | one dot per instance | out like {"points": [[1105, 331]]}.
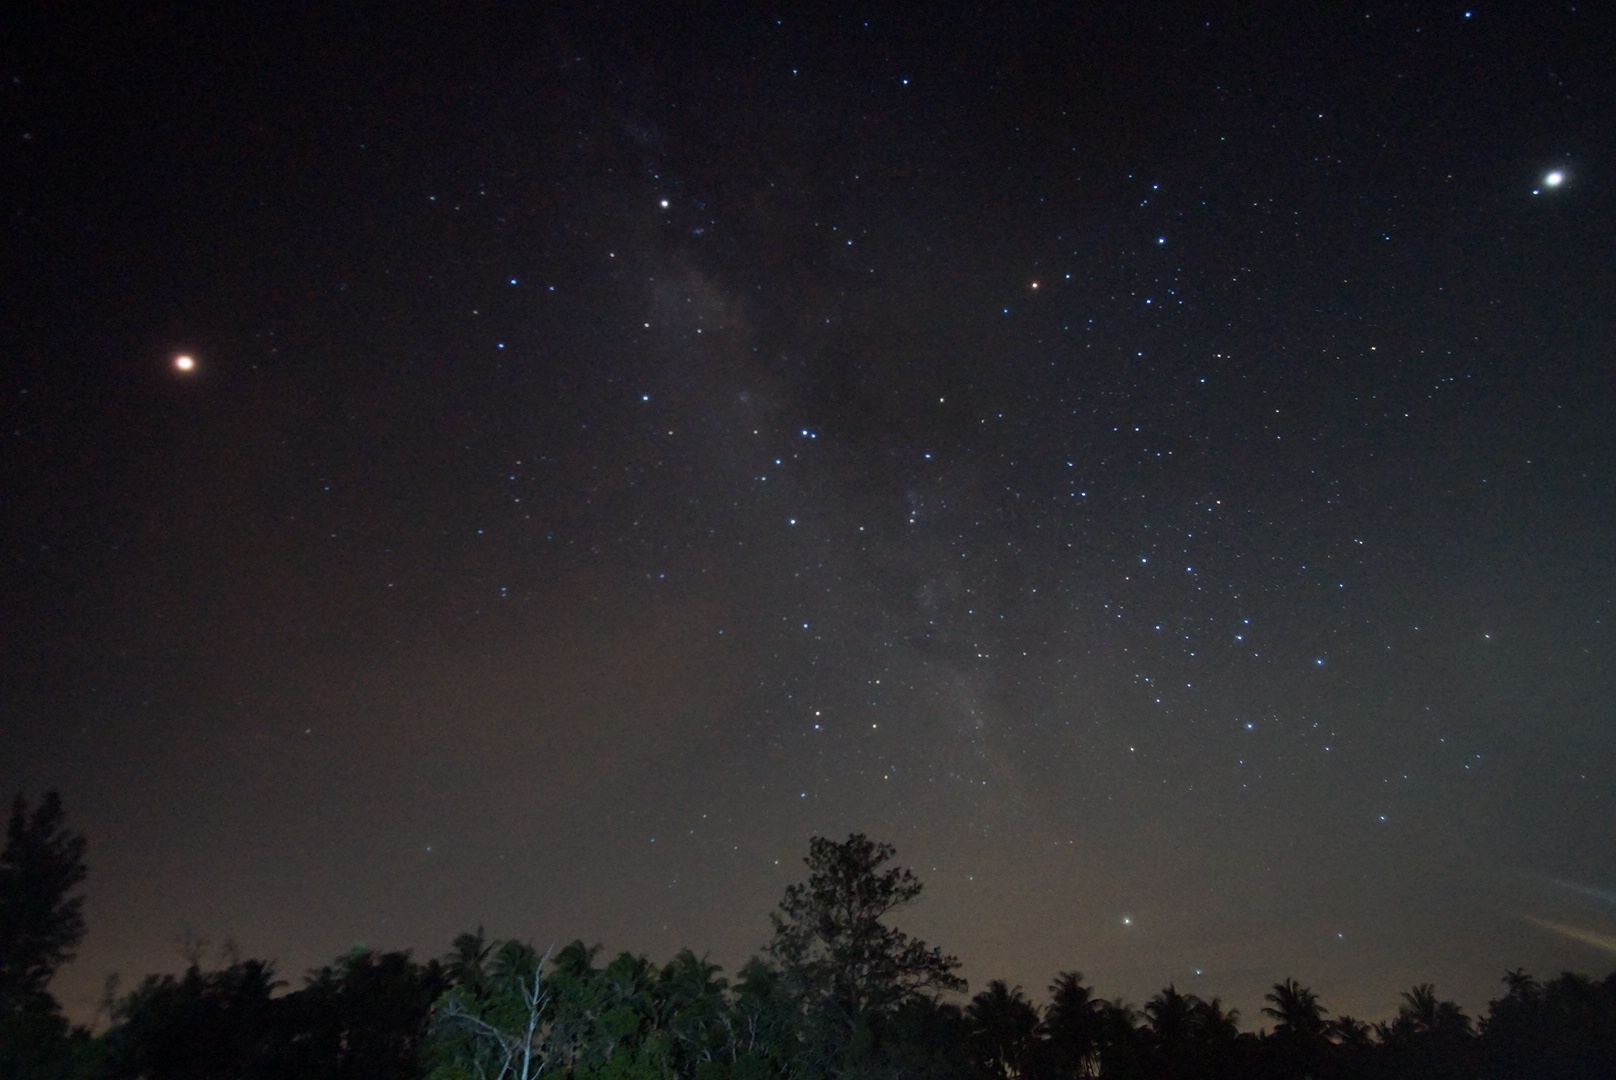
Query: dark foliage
{"points": [[197, 1026], [831, 941], [1001, 1030], [841, 972], [362, 1017], [40, 923], [1564, 1030], [837, 993]]}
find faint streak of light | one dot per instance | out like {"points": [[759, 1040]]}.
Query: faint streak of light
{"points": [[1587, 937], [1604, 896]]}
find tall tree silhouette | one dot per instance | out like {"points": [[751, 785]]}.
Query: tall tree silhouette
{"points": [[829, 934], [40, 923], [839, 962]]}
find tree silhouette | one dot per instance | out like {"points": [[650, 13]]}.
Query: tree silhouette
{"points": [[694, 1010], [1123, 1053], [1299, 1041], [363, 1017], [768, 1019], [1188, 1037], [1296, 1008], [40, 924], [198, 1026], [837, 993], [466, 965], [925, 1039], [1002, 1031], [1074, 1027], [41, 864], [1428, 1037], [1565, 1030], [1350, 1033], [839, 964], [828, 932]]}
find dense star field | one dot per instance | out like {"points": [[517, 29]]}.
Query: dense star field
{"points": [[1152, 466]]}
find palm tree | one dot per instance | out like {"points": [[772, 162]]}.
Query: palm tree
{"points": [[1170, 1027], [1299, 1040], [1122, 1051], [1190, 1037], [1349, 1032], [1169, 1014], [1296, 1008], [1074, 1027], [467, 962], [577, 960], [1002, 1029], [1428, 1037], [1423, 1014], [695, 1009], [499, 1030]]}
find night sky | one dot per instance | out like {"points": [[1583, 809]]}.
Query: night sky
{"points": [[1153, 464]]}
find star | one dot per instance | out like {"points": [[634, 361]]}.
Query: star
{"points": [[185, 363]]}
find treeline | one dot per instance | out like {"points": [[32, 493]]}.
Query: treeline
{"points": [[837, 992]]}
